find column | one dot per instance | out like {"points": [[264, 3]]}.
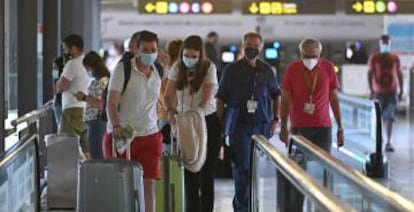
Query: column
{"points": [[27, 56]]}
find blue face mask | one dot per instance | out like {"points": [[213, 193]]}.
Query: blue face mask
{"points": [[385, 48], [190, 62], [147, 59]]}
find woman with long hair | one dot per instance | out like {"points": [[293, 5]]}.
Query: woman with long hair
{"points": [[192, 83], [93, 114]]}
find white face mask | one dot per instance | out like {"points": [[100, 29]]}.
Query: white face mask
{"points": [[310, 63], [55, 74]]}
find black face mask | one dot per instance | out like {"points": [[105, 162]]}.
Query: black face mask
{"points": [[251, 53]]}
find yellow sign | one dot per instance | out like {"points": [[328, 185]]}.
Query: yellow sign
{"points": [[357, 6], [273, 8], [253, 8], [161, 7], [369, 6], [149, 8]]}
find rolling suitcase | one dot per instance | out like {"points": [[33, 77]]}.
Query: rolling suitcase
{"points": [[170, 188], [111, 185]]}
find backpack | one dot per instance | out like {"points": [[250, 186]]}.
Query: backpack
{"points": [[126, 60]]}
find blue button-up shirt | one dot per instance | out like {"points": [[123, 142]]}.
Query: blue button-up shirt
{"points": [[240, 82]]}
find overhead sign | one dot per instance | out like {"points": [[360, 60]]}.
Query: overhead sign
{"points": [[288, 7], [164, 7], [377, 7]]}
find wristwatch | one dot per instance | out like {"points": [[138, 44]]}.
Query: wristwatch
{"points": [[276, 119], [84, 97], [340, 129]]}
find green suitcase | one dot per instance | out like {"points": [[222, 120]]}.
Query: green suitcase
{"points": [[170, 188]]}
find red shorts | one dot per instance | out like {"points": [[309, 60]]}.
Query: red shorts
{"points": [[147, 150]]}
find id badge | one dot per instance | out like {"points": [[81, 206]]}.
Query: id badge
{"points": [[309, 108], [251, 106]]}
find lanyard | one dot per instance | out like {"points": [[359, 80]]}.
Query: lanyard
{"points": [[310, 87]]}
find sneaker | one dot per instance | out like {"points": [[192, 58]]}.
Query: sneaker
{"points": [[389, 148]]}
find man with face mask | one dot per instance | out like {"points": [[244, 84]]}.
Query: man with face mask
{"points": [[309, 86], [136, 106], [73, 79], [249, 89], [385, 80]]}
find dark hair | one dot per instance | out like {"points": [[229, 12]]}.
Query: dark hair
{"points": [[196, 43], [144, 36], [95, 62], [385, 37], [74, 40], [252, 34], [59, 63], [173, 50], [212, 34]]}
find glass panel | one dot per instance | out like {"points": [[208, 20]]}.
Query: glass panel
{"points": [[10, 75], [267, 184], [18, 179]]}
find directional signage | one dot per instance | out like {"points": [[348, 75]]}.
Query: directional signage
{"points": [[288, 7], [377, 7], [164, 7]]}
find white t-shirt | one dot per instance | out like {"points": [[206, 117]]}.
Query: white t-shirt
{"points": [[138, 104], [76, 73], [192, 101]]}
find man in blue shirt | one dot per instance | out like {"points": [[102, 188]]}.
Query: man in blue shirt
{"points": [[248, 89]]}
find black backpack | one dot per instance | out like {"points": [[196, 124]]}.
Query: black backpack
{"points": [[126, 60]]}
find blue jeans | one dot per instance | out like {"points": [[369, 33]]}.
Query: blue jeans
{"points": [[57, 110], [240, 153], [96, 129]]}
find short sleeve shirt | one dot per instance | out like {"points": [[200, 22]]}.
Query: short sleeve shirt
{"points": [[385, 68], [95, 89], [186, 100], [294, 83], [241, 82], [75, 72], [138, 103]]}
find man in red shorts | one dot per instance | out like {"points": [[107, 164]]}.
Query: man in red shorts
{"points": [[385, 80], [133, 102]]}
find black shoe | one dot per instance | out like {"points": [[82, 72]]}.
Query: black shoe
{"points": [[389, 148]]}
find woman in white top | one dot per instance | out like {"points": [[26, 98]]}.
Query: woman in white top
{"points": [[192, 82], [93, 116]]}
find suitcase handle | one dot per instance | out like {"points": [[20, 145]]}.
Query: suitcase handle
{"points": [[128, 149]]}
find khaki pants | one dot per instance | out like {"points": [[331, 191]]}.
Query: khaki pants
{"points": [[72, 124]]}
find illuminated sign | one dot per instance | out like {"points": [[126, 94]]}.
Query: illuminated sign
{"points": [[164, 7], [285, 7], [377, 7]]}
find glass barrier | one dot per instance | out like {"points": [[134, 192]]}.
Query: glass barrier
{"points": [[272, 172], [19, 177], [359, 117], [349, 185]]}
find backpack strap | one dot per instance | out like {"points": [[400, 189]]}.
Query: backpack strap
{"points": [[159, 68], [127, 73]]}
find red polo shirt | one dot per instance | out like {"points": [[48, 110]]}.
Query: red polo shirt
{"points": [[294, 83]]}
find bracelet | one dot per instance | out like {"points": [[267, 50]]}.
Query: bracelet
{"points": [[340, 129], [276, 119]]}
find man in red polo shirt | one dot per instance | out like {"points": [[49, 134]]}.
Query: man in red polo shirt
{"points": [[385, 80], [309, 85]]}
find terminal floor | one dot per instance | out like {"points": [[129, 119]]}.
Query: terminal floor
{"points": [[400, 179]]}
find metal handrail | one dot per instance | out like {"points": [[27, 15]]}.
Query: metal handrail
{"points": [[375, 191], [34, 115], [299, 178]]}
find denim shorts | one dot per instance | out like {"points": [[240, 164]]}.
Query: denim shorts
{"points": [[389, 102]]}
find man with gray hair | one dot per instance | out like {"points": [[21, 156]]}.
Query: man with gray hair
{"points": [[309, 86]]}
